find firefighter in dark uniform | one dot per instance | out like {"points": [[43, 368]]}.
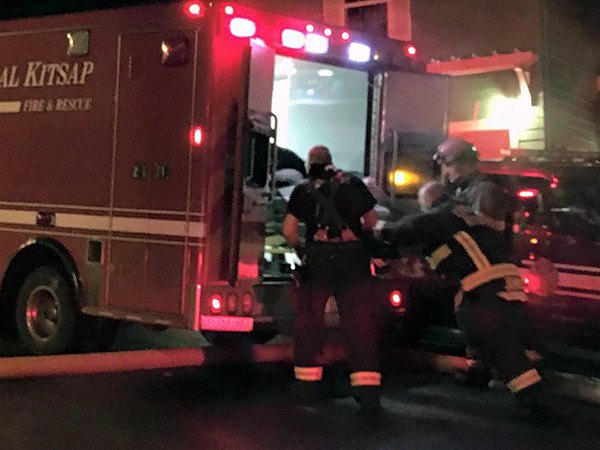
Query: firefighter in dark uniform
{"points": [[472, 250], [458, 161], [336, 208]]}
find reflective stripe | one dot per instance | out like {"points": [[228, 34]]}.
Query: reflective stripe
{"points": [[365, 379], [514, 283], [513, 296], [472, 249], [532, 355], [488, 274], [524, 380], [438, 255], [458, 298], [308, 373]]}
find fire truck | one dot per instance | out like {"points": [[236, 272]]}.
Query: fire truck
{"points": [[139, 148]]}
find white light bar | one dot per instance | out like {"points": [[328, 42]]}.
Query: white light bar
{"points": [[292, 39], [358, 52], [243, 28], [315, 43]]}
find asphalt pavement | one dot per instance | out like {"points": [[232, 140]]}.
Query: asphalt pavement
{"points": [[249, 407]]}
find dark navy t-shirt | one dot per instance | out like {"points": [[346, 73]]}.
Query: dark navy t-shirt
{"points": [[352, 200]]}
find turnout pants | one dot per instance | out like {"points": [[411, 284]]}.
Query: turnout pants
{"points": [[491, 325], [341, 270]]}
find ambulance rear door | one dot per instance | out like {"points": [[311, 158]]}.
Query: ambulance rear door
{"points": [[412, 109]]}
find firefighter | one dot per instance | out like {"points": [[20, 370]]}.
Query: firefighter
{"points": [[470, 249], [458, 161], [336, 208]]}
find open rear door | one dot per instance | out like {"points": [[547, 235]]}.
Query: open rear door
{"points": [[414, 117], [259, 163]]}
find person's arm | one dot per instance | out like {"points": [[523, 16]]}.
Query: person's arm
{"points": [[427, 229], [290, 229], [369, 220]]}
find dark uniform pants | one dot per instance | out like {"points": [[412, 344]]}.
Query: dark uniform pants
{"points": [[490, 324], [341, 270]]}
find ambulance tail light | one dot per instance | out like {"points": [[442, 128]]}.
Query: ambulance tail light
{"points": [[293, 39], [247, 303], [396, 299], [232, 303], [527, 194], [194, 10], [216, 304], [196, 136], [410, 50], [242, 28], [358, 52]]}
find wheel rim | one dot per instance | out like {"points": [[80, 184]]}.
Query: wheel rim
{"points": [[42, 313]]}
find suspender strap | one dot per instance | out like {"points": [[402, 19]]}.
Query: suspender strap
{"points": [[327, 203]]}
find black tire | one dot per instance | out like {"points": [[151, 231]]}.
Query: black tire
{"points": [[45, 313]]}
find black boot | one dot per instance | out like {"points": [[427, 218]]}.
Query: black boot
{"points": [[306, 393], [478, 375], [368, 398], [534, 400]]}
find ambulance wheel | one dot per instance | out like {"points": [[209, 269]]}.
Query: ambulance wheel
{"points": [[45, 313]]}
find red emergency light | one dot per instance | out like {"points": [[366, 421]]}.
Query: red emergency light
{"points": [[527, 194], [327, 32], [216, 304], [194, 10], [196, 136], [410, 50], [396, 299], [231, 303], [242, 28], [229, 10], [345, 36], [247, 303]]}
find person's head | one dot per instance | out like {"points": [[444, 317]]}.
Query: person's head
{"points": [[457, 158], [319, 157], [431, 194]]}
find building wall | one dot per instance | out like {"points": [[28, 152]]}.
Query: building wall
{"points": [[459, 28], [571, 61], [563, 33], [304, 9]]}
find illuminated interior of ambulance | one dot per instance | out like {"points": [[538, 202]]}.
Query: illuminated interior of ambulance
{"points": [[314, 103]]}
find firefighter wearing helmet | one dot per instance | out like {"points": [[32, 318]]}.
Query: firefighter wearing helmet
{"points": [[469, 251], [458, 161]]}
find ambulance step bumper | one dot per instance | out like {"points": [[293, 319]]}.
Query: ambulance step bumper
{"points": [[226, 323]]}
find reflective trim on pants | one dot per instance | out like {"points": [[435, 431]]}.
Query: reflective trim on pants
{"points": [[524, 380], [365, 379], [308, 373]]}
